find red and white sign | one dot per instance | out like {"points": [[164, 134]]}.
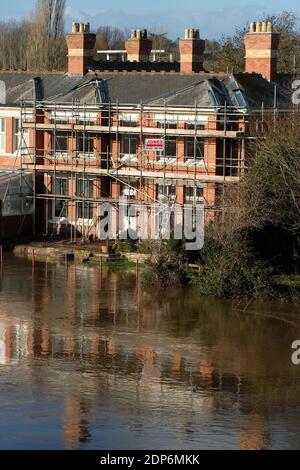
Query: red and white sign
{"points": [[157, 145]]}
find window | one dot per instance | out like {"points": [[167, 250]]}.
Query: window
{"points": [[129, 144], [192, 126], [85, 122], [2, 135], [85, 143], [190, 148], [21, 138], [61, 142], [166, 192], [60, 187], [84, 188], [124, 123], [193, 194], [17, 135], [25, 142], [170, 149], [59, 120], [170, 145], [129, 190], [168, 124]]}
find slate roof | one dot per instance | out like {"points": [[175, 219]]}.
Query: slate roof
{"points": [[203, 89]]}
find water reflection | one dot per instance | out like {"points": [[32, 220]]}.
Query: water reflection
{"points": [[110, 365]]}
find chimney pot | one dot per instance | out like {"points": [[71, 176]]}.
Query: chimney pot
{"points": [[264, 27], [75, 28], [196, 34]]}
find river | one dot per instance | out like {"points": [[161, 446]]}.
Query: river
{"points": [[91, 360]]}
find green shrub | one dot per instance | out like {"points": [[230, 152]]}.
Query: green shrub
{"points": [[233, 272], [168, 266], [127, 244]]}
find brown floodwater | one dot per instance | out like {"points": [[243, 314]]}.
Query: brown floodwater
{"points": [[90, 360]]}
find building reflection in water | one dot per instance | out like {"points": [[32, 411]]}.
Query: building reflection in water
{"points": [[254, 433], [125, 339], [76, 422]]}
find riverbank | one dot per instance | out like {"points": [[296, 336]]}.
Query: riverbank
{"points": [[285, 287], [92, 254]]}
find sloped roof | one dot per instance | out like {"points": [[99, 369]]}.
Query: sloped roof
{"points": [[29, 86], [258, 91], [203, 89]]}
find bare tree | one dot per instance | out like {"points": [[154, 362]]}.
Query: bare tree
{"points": [[160, 41], [13, 42], [46, 47], [110, 38], [269, 193]]}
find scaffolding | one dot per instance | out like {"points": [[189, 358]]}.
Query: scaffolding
{"points": [[82, 156]]}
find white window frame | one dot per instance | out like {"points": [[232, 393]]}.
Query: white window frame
{"points": [[2, 134], [17, 136], [129, 156]]}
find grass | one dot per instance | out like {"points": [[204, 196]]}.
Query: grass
{"points": [[120, 265], [288, 280]]}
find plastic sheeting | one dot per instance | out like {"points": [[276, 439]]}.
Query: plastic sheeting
{"points": [[16, 193]]}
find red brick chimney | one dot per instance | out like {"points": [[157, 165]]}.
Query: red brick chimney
{"points": [[138, 46], [261, 45], [191, 51], [81, 45]]}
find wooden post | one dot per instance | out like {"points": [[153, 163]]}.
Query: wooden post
{"points": [[100, 275], [32, 260], [137, 269], [1, 256]]}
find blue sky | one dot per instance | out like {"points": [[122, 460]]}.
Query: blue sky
{"points": [[212, 18]]}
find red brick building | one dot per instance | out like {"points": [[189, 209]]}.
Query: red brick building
{"points": [[83, 134]]}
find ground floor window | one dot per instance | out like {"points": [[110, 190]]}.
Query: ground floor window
{"points": [[129, 189], [60, 188], [2, 135], [84, 189], [193, 194], [167, 191]]}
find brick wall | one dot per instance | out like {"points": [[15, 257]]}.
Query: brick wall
{"points": [[261, 53], [80, 52]]}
